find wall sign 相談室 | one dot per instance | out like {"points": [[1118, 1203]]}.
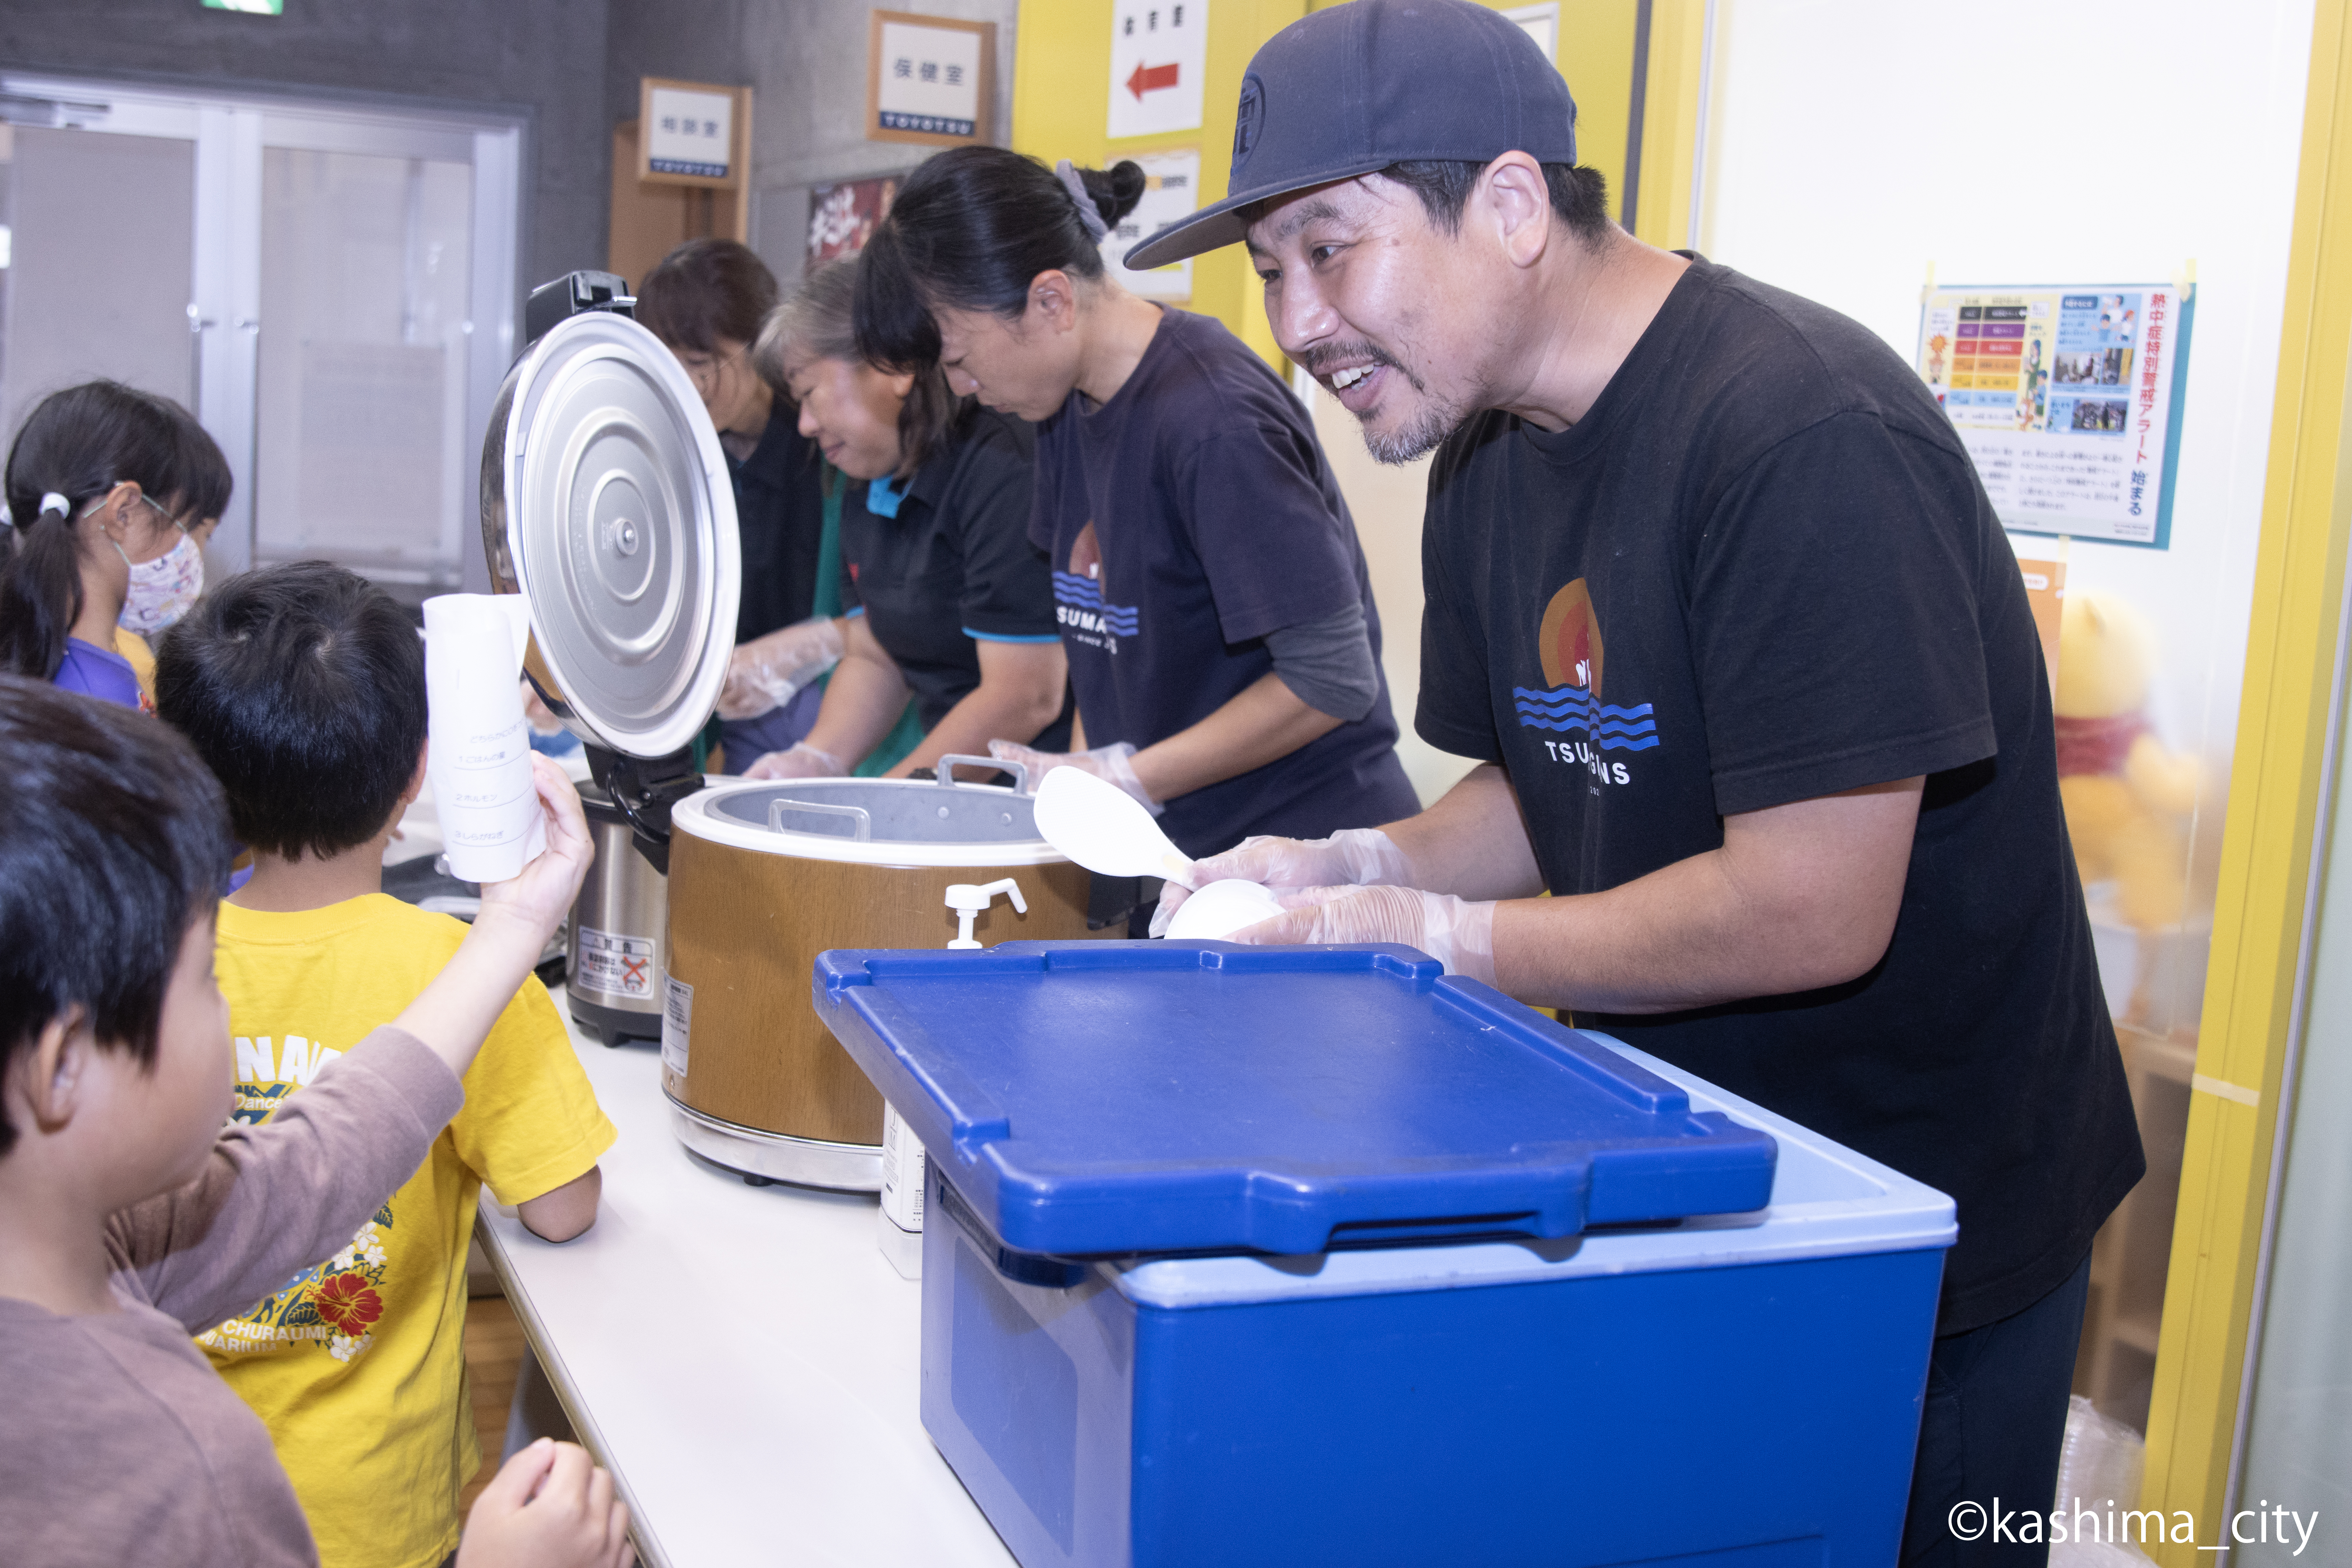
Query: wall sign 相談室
{"points": [[693, 132], [1171, 193], [2068, 399], [1158, 56], [929, 79]]}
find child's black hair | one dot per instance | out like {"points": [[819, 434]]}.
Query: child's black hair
{"points": [[302, 686], [79, 444], [113, 842], [968, 230]]}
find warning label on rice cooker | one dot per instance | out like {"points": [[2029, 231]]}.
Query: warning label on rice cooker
{"points": [[615, 965], [678, 1019]]}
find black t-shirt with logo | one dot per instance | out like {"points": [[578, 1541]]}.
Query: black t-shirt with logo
{"points": [[1762, 569], [954, 567], [1185, 519]]}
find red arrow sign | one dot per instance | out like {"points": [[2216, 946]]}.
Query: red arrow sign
{"points": [[1150, 78]]}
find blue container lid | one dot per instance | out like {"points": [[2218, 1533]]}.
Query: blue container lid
{"points": [[1127, 1097]]}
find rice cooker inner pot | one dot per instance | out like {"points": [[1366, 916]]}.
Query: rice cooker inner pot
{"points": [[884, 811]]}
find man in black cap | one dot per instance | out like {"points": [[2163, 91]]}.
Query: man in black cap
{"points": [[1714, 594]]}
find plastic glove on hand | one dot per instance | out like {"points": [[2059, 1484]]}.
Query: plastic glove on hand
{"points": [[550, 1505], [766, 672], [803, 762], [1456, 933], [1108, 763], [1357, 857]]}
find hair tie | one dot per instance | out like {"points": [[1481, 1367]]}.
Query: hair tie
{"points": [[1088, 214], [53, 502]]}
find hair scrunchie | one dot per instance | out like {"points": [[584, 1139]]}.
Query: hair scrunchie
{"points": [[1088, 214], [51, 502]]}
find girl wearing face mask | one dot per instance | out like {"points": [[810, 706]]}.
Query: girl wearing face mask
{"points": [[1213, 599], [948, 599], [98, 544], [705, 301]]}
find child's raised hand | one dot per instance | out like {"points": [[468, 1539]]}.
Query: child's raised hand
{"points": [[542, 894], [548, 1507]]}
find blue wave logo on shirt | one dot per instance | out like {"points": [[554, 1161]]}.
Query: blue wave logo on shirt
{"points": [[1566, 708], [1080, 605]]}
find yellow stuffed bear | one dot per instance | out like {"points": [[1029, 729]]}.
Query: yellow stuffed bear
{"points": [[2127, 799]]}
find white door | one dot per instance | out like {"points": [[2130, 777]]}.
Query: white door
{"points": [[330, 287]]}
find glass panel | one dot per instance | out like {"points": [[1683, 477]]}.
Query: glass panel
{"points": [[2299, 1440], [2154, 642], [102, 239], [360, 427]]}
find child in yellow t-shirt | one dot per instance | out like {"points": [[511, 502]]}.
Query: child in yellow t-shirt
{"points": [[304, 689]]}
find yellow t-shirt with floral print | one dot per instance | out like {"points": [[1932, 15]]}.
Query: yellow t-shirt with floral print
{"points": [[357, 1365]]}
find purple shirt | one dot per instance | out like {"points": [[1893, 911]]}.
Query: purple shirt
{"points": [[99, 672]]}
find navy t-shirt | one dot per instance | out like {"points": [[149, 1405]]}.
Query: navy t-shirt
{"points": [[1185, 519], [1762, 570], [953, 567]]}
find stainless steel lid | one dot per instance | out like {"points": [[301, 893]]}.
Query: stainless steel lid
{"points": [[606, 500]]}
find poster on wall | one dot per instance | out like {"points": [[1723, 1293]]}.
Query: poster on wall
{"points": [[2068, 399], [929, 79], [1171, 191], [1158, 57], [841, 216]]}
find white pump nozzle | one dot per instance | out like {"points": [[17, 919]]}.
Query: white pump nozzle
{"points": [[967, 899]]}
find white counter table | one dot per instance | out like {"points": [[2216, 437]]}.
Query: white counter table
{"points": [[743, 1360]]}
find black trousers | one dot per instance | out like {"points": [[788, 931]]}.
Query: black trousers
{"points": [[1994, 1423]]}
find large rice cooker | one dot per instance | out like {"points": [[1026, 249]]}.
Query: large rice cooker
{"points": [[765, 875], [606, 502]]}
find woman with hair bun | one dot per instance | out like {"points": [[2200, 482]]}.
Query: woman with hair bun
{"points": [[1212, 594]]}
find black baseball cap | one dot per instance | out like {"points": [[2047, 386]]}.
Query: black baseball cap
{"points": [[1352, 90]]}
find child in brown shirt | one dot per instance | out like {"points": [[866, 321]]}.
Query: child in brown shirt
{"points": [[128, 1218]]}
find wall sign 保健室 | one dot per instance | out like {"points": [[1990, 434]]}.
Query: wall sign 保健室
{"points": [[2068, 399], [929, 79]]}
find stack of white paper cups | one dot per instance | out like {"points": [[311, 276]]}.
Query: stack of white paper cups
{"points": [[479, 758]]}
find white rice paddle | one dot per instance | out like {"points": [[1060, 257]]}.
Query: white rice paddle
{"points": [[1105, 829]]}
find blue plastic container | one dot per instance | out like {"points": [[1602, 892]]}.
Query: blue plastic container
{"points": [[1631, 1319]]}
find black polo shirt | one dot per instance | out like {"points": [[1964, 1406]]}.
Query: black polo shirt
{"points": [[780, 517], [953, 567]]}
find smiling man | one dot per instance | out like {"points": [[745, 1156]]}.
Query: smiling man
{"points": [[1715, 596]]}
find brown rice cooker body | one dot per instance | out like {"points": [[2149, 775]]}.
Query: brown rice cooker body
{"points": [[745, 927]]}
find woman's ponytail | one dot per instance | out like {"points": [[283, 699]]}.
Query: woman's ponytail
{"points": [[73, 448]]}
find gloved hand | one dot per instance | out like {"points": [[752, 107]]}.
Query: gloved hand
{"points": [[1362, 856], [765, 672], [803, 762], [1457, 933], [1108, 762]]}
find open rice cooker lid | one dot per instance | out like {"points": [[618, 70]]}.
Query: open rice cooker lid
{"points": [[606, 502], [870, 822]]}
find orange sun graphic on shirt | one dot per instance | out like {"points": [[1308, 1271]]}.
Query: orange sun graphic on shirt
{"points": [[348, 1302], [1569, 640]]}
